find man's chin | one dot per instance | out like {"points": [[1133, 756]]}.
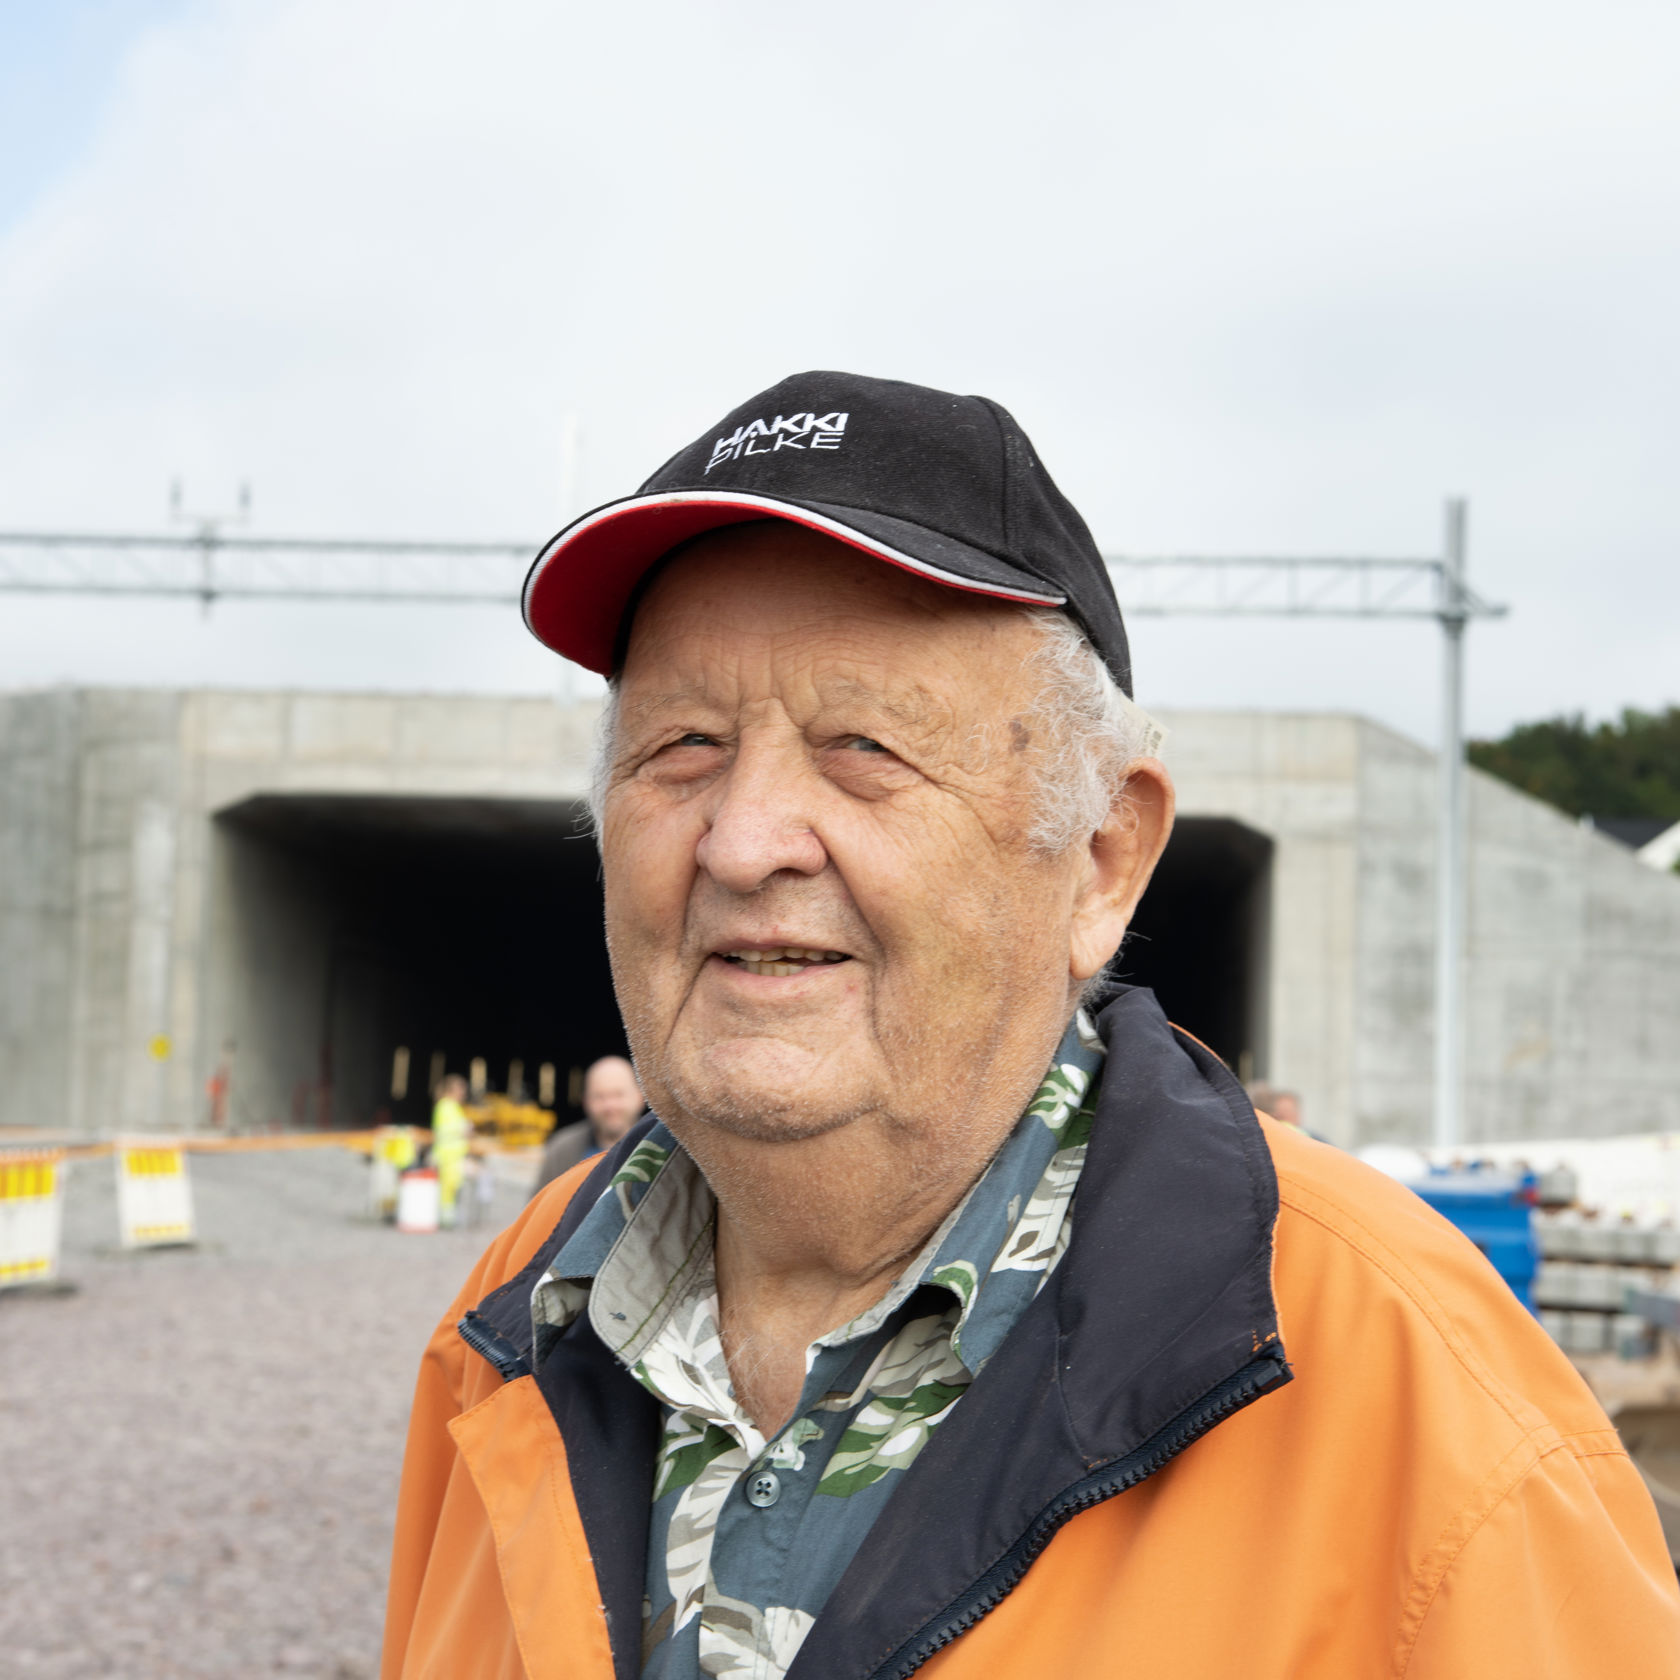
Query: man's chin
{"points": [[764, 1123], [769, 1099]]}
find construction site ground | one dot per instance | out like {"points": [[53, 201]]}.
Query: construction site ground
{"points": [[199, 1448]]}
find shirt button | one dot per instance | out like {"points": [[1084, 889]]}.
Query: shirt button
{"points": [[764, 1489]]}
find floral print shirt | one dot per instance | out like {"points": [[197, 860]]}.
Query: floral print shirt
{"points": [[749, 1536]]}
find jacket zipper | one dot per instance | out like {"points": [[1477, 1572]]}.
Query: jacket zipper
{"points": [[1237, 1391], [495, 1347]]}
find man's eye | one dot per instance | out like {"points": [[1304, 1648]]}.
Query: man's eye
{"points": [[694, 739], [863, 744]]}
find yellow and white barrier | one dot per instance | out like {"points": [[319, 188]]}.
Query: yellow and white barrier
{"points": [[31, 1216], [418, 1201], [394, 1150], [154, 1195]]}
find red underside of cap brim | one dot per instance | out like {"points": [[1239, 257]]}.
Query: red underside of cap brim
{"points": [[579, 587]]}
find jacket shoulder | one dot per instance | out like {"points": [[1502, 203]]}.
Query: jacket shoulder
{"points": [[1362, 1259]]}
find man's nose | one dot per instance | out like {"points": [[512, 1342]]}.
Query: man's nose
{"points": [[761, 822]]}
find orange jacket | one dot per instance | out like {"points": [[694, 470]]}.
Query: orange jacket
{"points": [[1435, 1494]]}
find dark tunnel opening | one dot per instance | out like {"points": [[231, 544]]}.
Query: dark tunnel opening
{"points": [[1199, 938], [451, 928]]}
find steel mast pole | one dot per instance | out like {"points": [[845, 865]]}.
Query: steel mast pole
{"points": [[1450, 842]]}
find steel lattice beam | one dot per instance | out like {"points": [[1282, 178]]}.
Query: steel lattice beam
{"points": [[215, 566]]}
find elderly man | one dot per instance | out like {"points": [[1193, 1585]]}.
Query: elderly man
{"points": [[936, 1317]]}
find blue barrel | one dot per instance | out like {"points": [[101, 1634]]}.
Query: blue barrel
{"points": [[1494, 1208]]}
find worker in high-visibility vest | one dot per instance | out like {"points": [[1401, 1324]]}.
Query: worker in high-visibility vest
{"points": [[451, 1140]]}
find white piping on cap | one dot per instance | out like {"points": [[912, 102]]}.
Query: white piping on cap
{"points": [[802, 516]]}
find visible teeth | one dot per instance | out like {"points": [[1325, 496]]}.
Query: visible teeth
{"points": [[781, 959]]}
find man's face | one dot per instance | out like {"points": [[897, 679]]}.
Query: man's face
{"points": [[611, 1098], [821, 902]]}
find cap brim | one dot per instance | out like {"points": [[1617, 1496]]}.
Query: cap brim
{"points": [[579, 586]]}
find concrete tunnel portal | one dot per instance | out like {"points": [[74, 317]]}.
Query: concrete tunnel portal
{"points": [[348, 926]]}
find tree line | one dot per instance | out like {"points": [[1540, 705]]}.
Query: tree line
{"points": [[1626, 768]]}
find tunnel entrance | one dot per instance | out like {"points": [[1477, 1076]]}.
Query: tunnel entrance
{"points": [[350, 926], [1199, 938]]}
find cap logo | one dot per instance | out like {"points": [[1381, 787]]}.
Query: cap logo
{"points": [[792, 431]]}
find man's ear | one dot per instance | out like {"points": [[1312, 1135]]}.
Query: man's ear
{"points": [[1120, 858]]}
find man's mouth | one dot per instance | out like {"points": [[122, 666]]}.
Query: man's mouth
{"points": [[783, 959]]}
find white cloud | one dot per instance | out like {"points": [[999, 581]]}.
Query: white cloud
{"points": [[1255, 278]]}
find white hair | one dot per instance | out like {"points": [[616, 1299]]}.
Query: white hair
{"points": [[1088, 729], [1092, 732]]}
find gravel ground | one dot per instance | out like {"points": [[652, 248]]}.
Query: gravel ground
{"points": [[199, 1448]]}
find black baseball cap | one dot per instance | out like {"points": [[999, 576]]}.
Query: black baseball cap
{"points": [[947, 487]]}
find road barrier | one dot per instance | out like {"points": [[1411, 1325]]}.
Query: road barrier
{"points": [[393, 1150], [154, 1189], [154, 1194], [418, 1200], [31, 1217]]}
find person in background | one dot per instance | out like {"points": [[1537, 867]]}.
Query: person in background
{"points": [[612, 1104], [451, 1139], [1283, 1106]]}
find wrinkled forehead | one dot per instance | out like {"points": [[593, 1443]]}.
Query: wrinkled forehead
{"points": [[778, 613]]}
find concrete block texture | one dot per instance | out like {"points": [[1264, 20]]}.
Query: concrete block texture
{"points": [[38, 734], [1574, 969], [1295, 779]]}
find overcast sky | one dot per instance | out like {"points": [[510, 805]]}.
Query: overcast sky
{"points": [[1255, 278]]}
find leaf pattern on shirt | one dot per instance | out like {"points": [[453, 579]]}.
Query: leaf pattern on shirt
{"points": [[886, 1435], [685, 1365], [689, 1445], [688, 1541], [1041, 1232], [738, 1637], [910, 1387], [1060, 1095], [641, 1167], [788, 1453], [961, 1278]]}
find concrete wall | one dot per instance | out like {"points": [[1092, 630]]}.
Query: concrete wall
{"points": [[1296, 779], [91, 853], [1574, 980], [38, 766], [1394, 973], [271, 943]]}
